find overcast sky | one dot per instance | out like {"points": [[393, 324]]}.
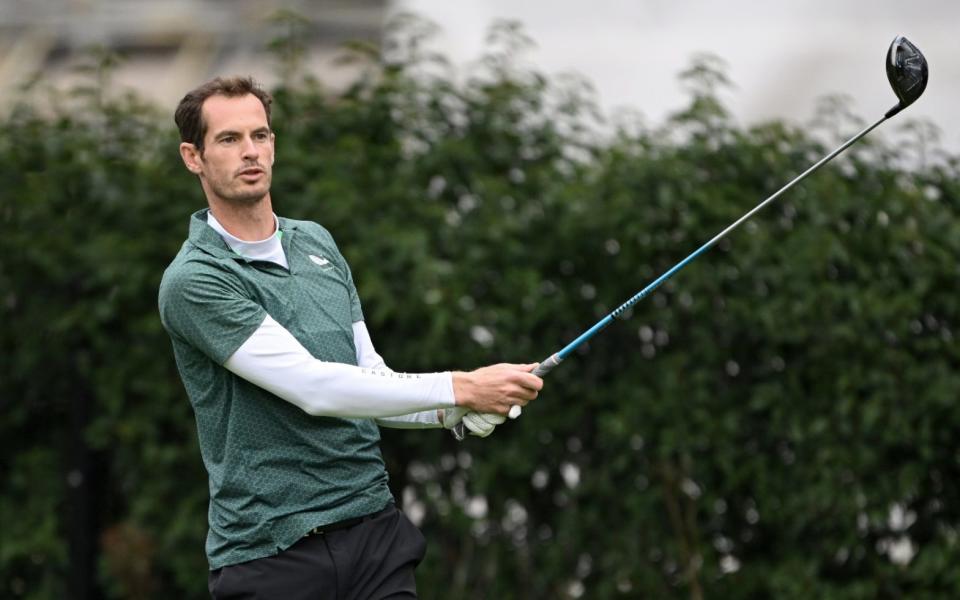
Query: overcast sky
{"points": [[781, 56]]}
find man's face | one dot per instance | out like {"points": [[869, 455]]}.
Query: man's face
{"points": [[237, 160]]}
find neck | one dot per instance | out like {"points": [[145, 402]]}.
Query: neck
{"points": [[249, 222]]}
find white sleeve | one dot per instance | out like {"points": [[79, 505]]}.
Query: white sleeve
{"points": [[274, 360], [366, 354], [368, 357]]}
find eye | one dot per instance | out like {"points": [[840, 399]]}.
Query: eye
{"points": [[228, 139], [261, 136]]}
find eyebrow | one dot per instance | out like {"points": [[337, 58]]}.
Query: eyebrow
{"points": [[229, 132]]}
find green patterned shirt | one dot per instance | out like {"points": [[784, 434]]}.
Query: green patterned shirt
{"points": [[274, 471]]}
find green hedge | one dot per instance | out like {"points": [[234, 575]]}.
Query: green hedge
{"points": [[778, 420]]}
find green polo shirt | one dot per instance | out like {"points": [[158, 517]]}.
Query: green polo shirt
{"points": [[274, 471]]}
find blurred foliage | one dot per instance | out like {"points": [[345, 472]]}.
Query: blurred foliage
{"points": [[778, 420]]}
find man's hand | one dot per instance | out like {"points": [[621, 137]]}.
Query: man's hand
{"points": [[497, 388], [480, 425], [452, 416]]}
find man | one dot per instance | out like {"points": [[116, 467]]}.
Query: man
{"points": [[287, 388]]}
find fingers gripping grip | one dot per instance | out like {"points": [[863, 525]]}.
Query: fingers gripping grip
{"points": [[547, 365], [542, 369]]}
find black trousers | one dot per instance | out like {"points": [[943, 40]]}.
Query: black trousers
{"points": [[373, 559]]}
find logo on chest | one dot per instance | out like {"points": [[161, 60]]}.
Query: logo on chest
{"points": [[320, 261]]}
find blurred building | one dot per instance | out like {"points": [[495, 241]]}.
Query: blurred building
{"points": [[168, 46]]}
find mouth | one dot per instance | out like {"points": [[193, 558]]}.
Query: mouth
{"points": [[250, 173]]}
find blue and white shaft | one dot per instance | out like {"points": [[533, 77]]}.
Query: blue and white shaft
{"points": [[555, 359]]}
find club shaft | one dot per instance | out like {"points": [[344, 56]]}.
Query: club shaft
{"points": [[549, 363], [604, 322]]}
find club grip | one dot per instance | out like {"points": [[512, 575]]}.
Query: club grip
{"points": [[547, 365], [460, 430], [542, 369]]}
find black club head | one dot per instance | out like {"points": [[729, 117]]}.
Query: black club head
{"points": [[906, 71]]}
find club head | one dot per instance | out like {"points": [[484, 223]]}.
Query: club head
{"points": [[906, 71]]}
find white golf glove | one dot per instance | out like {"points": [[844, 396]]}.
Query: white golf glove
{"points": [[482, 424], [479, 424]]}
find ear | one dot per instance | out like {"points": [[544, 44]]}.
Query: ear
{"points": [[191, 158]]}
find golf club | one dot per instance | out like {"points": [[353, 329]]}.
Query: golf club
{"points": [[907, 73]]}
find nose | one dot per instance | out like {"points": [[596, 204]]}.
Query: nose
{"points": [[249, 149]]}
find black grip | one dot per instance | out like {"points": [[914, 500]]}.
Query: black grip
{"points": [[547, 365]]}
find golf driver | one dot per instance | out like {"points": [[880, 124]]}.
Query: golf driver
{"points": [[907, 73]]}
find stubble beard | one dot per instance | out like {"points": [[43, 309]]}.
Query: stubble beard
{"points": [[246, 199], [240, 197]]}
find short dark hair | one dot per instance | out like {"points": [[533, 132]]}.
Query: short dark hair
{"points": [[189, 116]]}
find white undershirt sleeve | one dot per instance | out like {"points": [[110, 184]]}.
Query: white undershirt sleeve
{"points": [[274, 360], [368, 357]]}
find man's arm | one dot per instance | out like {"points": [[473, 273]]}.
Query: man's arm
{"points": [[369, 358], [273, 359]]}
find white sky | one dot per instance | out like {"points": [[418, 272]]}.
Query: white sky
{"points": [[781, 56]]}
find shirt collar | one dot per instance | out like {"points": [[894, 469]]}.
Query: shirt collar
{"points": [[203, 236]]}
